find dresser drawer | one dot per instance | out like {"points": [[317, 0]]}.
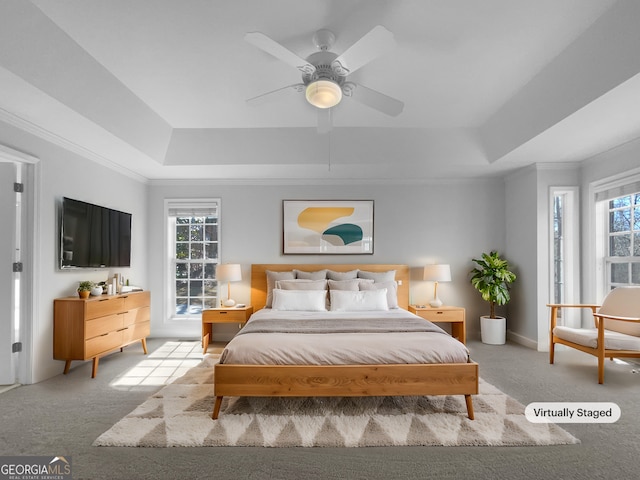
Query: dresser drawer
{"points": [[102, 325], [136, 300], [137, 315], [136, 332], [104, 306], [103, 343], [224, 316]]}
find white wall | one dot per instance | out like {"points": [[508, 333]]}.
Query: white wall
{"points": [[616, 164], [527, 228], [62, 173], [414, 224]]}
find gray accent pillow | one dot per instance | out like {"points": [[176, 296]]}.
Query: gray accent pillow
{"points": [[352, 285], [318, 275], [331, 275], [388, 276], [301, 284]]}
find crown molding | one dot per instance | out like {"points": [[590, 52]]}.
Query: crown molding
{"points": [[55, 139]]}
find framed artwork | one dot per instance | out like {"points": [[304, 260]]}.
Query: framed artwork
{"points": [[333, 227]]}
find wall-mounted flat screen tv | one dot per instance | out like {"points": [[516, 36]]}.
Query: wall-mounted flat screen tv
{"points": [[94, 237]]}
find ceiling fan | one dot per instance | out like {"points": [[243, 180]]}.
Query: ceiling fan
{"points": [[325, 73]]}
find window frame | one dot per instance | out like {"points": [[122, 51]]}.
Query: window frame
{"points": [[570, 250], [632, 233], [600, 193], [169, 266]]}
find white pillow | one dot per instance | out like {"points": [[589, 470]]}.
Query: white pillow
{"points": [[392, 291], [350, 301], [271, 283], [302, 300]]}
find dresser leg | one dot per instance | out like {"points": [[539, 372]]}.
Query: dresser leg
{"points": [[144, 345], [94, 370], [67, 366]]}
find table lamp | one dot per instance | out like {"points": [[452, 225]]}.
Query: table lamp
{"points": [[437, 273], [227, 273]]}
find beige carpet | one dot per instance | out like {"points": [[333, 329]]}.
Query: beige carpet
{"points": [[179, 415]]}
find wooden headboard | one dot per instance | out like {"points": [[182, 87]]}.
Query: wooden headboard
{"points": [[259, 277]]}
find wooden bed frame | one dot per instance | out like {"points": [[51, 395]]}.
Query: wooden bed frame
{"points": [[341, 380]]}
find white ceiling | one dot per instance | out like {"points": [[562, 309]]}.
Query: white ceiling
{"points": [[159, 87]]}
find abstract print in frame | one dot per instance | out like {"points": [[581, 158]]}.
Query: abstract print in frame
{"points": [[333, 227]]}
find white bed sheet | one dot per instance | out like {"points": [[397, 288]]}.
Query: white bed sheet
{"points": [[342, 348]]}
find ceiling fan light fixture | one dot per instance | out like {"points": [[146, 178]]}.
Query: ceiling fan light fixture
{"points": [[323, 93]]}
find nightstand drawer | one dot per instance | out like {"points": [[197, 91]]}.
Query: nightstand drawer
{"points": [[443, 315], [224, 316]]}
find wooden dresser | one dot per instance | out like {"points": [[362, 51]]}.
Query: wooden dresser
{"points": [[89, 328]]}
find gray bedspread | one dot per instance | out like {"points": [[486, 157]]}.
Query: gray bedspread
{"points": [[372, 324]]}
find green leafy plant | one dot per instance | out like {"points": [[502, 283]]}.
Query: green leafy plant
{"points": [[85, 286], [491, 277]]}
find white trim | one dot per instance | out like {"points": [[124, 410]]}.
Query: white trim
{"points": [[571, 249], [30, 256], [62, 142], [169, 321], [595, 234]]}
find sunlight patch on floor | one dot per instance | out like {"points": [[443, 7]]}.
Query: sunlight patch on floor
{"points": [[162, 366]]}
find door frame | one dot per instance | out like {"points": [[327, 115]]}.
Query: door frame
{"points": [[30, 233]]}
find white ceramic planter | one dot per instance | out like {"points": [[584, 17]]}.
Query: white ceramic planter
{"points": [[493, 331], [95, 291]]}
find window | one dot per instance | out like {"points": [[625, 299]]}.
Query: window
{"points": [[623, 256], [193, 254], [564, 273]]}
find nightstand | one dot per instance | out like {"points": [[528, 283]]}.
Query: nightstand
{"points": [[238, 315], [453, 315]]}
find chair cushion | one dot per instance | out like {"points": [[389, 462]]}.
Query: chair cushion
{"points": [[589, 338], [622, 302]]}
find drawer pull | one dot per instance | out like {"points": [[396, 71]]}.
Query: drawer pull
{"points": [[223, 313], [439, 313], [103, 300], [122, 329]]}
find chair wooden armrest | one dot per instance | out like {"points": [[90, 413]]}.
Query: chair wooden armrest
{"points": [[555, 306], [573, 305], [616, 317]]}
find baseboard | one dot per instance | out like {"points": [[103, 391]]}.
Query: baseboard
{"points": [[522, 340]]}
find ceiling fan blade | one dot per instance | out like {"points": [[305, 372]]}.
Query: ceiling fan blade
{"points": [[376, 100], [378, 41], [298, 87], [272, 47], [324, 120]]}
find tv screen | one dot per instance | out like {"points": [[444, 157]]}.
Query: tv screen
{"points": [[94, 237]]}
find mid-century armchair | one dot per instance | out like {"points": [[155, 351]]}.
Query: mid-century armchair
{"points": [[616, 333]]}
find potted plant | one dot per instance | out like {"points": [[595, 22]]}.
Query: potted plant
{"points": [[491, 277], [84, 289]]}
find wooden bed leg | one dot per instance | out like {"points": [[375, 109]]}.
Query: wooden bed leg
{"points": [[216, 408], [469, 402]]}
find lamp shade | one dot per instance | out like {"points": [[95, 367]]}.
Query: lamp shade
{"points": [[323, 93], [437, 273], [229, 272]]}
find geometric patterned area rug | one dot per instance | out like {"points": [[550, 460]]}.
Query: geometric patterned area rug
{"points": [[180, 415]]}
